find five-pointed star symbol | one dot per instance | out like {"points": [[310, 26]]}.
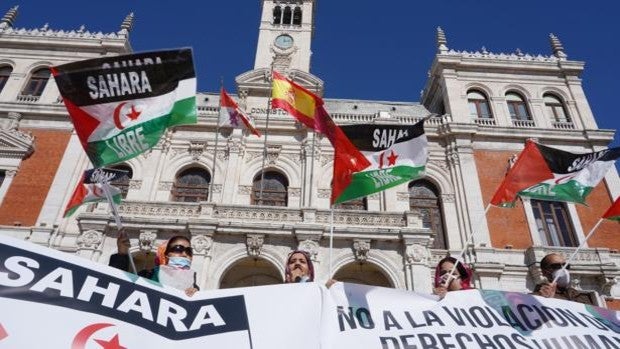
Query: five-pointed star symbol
{"points": [[133, 114], [392, 158], [111, 344]]}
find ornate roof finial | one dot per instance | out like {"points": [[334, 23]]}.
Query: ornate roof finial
{"points": [[556, 47], [127, 24], [9, 17], [442, 42]]}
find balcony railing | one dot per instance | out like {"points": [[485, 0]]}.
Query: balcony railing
{"points": [[484, 121], [563, 125], [523, 123], [28, 98]]}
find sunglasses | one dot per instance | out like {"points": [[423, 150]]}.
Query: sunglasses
{"points": [[180, 249], [558, 266]]}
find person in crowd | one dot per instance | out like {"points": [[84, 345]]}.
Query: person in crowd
{"points": [[299, 267], [551, 267], [173, 263], [447, 281]]}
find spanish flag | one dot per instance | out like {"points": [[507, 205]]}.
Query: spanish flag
{"points": [[308, 109]]}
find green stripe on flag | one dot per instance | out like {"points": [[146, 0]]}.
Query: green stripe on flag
{"points": [[369, 182], [139, 138], [571, 191]]}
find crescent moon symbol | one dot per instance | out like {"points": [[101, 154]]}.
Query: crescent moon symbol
{"points": [[79, 342], [117, 120]]}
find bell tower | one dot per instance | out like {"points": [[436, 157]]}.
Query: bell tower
{"points": [[285, 35]]}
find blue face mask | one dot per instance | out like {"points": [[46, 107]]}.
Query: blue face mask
{"points": [[179, 262]]}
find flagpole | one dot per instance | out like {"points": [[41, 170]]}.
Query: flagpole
{"points": [[311, 170], [469, 237], [331, 242], [262, 167], [117, 218], [572, 256]]}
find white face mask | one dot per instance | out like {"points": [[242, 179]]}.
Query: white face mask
{"points": [[563, 277]]}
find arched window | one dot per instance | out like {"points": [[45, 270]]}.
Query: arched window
{"points": [[191, 185], [251, 272], [297, 16], [424, 199], [479, 107], [553, 222], [286, 19], [363, 273], [556, 110], [123, 183], [274, 189], [360, 204], [517, 107], [277, 15], [37, 82], [5, 74]]}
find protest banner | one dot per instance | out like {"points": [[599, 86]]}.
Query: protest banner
{"points": [[51, 299]]}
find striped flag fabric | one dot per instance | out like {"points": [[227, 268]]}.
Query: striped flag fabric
{"points": [[546, 173], [120, 106], [397, 154], [91, 188], [232, 116], [613, 213], [308, 109]]}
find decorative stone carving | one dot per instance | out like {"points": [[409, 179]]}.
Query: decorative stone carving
{"points": [[244, 189], [90, 239], [251, 155], [448, 198], [159, 209], [273, 152], [375, 196], [202, 244], [294, 192], [402, 196], [147, 239], [254, 243], [196, 149], [324, 193], [310, 246], [10, 173], [217, 188], [439, 163], [234, 146], [361, 248], [607, 283], [416, 254], [135, 184], [326, 159], [165, 185]]}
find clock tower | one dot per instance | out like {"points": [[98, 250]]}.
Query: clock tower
{"points": [[285, 35]]}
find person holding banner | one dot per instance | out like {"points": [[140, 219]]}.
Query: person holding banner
{"points": [[551, 266], [447, 281], [173, 263]]}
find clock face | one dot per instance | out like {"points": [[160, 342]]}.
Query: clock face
{"points": [[284, 42]]}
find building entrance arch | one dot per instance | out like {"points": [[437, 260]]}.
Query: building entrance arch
{"points": [[251, 272], [363, 273]]}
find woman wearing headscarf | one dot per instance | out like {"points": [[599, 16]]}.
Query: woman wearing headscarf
{"points": [[447, 281], [172, 263], [299, 267]]}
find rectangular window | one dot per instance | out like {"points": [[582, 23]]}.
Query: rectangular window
{"points": [[553, 223]]}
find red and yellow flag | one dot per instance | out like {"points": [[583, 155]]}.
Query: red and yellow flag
{"points": [[308, 109]]}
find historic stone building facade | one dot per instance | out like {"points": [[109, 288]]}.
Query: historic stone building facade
{"points": [[194, 183]]}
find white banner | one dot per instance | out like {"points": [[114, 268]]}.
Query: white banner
{"points": [[50, 299]]}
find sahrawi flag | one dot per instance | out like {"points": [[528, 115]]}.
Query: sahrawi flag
{"points": [[232, 116], [121, 105], [613, 213], [397, 154], [91, 188], [308, 109], [546, 173]]}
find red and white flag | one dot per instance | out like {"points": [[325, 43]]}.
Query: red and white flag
{"points": [[232, 116]]}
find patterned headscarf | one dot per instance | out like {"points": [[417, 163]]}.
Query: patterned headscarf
{"points": [[287, 270], [463, 269]]}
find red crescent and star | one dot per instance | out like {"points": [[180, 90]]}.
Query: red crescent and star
{"points": [[132, 115], [80, 340]]}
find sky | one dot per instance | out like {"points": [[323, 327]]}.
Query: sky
{"points": [[361, 49]]}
